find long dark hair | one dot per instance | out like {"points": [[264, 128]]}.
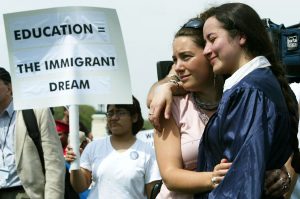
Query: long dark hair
{"points": [[133, 109], [239, 18]]}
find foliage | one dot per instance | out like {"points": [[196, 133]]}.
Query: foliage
{"points": [[147, 125], [85, 114]]}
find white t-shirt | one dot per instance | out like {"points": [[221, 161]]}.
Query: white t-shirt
{"points": [[119, 174]]}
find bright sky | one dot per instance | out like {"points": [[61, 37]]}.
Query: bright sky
{"points": [[148, 27]]}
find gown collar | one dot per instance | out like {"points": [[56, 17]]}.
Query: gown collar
{"points": [[257, 62]]}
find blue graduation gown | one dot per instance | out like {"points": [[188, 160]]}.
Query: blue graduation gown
{"points": [[251, 129]]}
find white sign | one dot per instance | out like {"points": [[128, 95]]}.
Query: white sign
{"points": [[68, 55], [146, 136]]}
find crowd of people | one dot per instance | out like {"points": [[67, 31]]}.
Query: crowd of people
{"points": [[225, 118]]}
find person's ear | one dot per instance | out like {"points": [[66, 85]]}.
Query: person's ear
{"points": [[134, 118], [9, 88], [243, 39]]}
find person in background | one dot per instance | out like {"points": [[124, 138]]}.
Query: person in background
{"points": [[257, 119], [89, 135], [70, 193], [21, 173], [120, 165], [65, 120], [182, 131], [83, 140], [63, 133]]}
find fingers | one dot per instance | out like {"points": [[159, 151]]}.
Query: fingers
{"points": [[277, 183], [70, 155], [220, 171], [276, 189], [223, 166], [224, 160], [156, 110], [168, 110], [271, 177], [216, 180], [217, 177], [180, 83], [154, 117], [160, 104], [273, 193]]}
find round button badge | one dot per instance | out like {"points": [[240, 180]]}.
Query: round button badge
{"points": [[134, 155]]}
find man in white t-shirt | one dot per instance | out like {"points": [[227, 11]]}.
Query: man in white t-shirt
{"points": [[296, 89]]}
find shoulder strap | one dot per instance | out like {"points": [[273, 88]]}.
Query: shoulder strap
{"points": [[156, 189], [34, 133]]}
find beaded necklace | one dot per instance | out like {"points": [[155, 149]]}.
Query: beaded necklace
{"points": [[203, 106]]}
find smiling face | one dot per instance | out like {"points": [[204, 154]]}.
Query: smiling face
{"points": [[191, 66], [225, 53]]}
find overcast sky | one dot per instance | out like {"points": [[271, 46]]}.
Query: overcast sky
{"points": [[148, 28]]}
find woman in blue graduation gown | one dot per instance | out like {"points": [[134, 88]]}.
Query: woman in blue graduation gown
{"points": [[255, 126]]}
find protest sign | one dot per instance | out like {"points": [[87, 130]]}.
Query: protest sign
{"points": [[146, 136], [67, 55]]}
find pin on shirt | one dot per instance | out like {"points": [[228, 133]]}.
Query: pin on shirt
{"points": [[134, 155]]}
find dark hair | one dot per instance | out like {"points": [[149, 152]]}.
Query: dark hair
{"points": [[133, 109], [5, 76], [239, 18]]}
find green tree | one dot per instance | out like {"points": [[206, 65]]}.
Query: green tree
{"points": [[147, 125], [85, 114]]}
